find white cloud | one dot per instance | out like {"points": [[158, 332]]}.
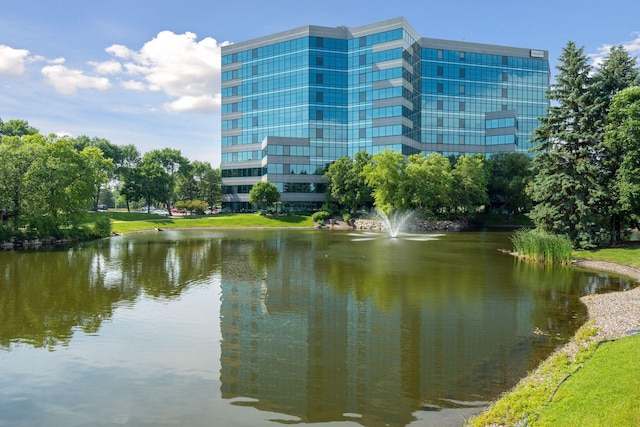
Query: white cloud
{"points": [[133, 85], [193, 103], [106, 67], [178, 65], [67, 81], [12, 61], [632, 47], [185, 69], [119, 51]]}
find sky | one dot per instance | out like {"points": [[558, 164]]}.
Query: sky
{"points": [[147, 72]]}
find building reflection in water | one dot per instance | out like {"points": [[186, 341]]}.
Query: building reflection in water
{"points": [[311, 331]]}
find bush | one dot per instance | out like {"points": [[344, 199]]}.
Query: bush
{"points": [[320, 217], [102, 226], [541, 246]]}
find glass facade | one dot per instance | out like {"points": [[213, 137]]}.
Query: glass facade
{"points": [[294, 102]]}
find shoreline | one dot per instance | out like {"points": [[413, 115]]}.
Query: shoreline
{"points": [[615, 314], [611, 316]]}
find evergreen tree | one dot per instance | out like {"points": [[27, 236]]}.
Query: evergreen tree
{"points": [[567, 189], [617, 72]]}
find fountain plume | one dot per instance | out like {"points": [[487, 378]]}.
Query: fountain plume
{"points": [[394, 222]]}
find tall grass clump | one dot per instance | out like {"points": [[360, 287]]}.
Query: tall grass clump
{"points": [[541, 246]]}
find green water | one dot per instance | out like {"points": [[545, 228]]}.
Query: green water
{"points": [[271, 327]]}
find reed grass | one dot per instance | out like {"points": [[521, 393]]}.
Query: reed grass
{"points": [[540, 246]]}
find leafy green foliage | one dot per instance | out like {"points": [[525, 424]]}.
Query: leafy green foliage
{"points": [[264, 194], [346, 182], [470, 180], [622, 141], [196, 206], [508, 179], [47, 183], [320, 217], [429, 181], [385, 174], [102, 226]]}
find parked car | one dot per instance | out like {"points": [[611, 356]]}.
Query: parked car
{"points": [[160, 212], [102, 207]]}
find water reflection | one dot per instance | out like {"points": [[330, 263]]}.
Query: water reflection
{"points": [[325, 328], [46, 295], [304, 326]]}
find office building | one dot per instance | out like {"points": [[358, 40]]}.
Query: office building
{"points": [[295, 101]]}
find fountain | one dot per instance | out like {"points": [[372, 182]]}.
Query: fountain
{"points": [[394, 226], [394, 223]]}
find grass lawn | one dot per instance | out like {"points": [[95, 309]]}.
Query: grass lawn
{"points": [[626, 256], [127, 222], [605, 392]]}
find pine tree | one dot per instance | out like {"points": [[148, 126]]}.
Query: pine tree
{"points": [[567, 189]]}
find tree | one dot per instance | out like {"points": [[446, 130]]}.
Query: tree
{"points": [[429, 181], [16, 128], [346, 182], [130, 158], [156, 185], [568, 163], [16, 156], [622, 139], [173, 163], [617, 72], [99, 171], [202, 182], [385, 174], [264, 194], [470, 180], [210, 186], [57, 188], [510, 174]]}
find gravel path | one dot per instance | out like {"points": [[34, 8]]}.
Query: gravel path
{"points": [[616, 314]]}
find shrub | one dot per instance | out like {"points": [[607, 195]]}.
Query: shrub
{"points": [[541, 246], [346, 217], [320, 217], [102, 226]]}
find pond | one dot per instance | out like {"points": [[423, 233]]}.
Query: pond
{"points": [[271, 327]]}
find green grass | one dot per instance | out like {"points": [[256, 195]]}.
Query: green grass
{"points": [[625, 256], [604, 392], [127, 222], [529, 398]]}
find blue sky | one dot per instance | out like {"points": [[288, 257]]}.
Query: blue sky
{"points": [[147, 72]]}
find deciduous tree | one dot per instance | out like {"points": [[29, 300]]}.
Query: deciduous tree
{"points": [[385, 174], [264, 194]]}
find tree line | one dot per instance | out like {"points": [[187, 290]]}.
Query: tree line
{"points": [[435, 185], [582, 180], [587, 163], [48, 182]]}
